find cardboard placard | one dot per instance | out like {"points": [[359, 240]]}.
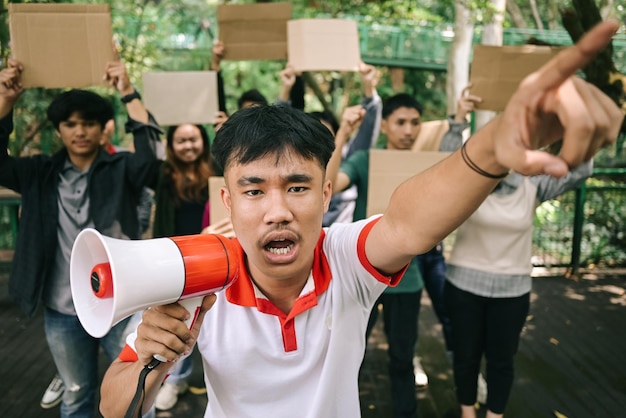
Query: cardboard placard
{"points": [[217, 211], [254, 31], [323, 44], [177, 97], [389, 168], [61, 45], [430, 135], [497, 71], [8, 194]]}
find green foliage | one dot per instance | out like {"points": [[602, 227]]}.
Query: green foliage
{"points": [[399, 13], [176, 35], [552, 236], [483, 11], [603, 240], [6, 238], [604, 236]]}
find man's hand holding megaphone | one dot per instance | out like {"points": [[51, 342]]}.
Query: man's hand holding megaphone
{"points": [[157, 320], [163, 331]]}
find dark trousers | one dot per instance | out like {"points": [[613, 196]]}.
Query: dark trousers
{"points": [[489, 326], [433, 268], [400, 319]]}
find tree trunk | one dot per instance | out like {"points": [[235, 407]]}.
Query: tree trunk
{"points": [[601, 71], [458, 62], [492, 35], [536, 16], [553, 15], [606, 6], [310, 81], [516, 14]]}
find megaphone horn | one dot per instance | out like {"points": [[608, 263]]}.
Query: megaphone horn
{"points": [[112, 278]]}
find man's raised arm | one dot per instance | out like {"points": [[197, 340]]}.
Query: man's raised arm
{"points": [[548, 105]]}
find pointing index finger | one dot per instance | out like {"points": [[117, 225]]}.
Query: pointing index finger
{"points": [[567, 62]]}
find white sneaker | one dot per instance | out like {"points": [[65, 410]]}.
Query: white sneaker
{"points": [[168, 395], [481, 392], [53, 394], [421, 379]]}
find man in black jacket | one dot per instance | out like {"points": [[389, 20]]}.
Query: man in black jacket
{"points": [[78, 187]]}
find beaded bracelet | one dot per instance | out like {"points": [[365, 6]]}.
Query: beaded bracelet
{"points": [[477, 169]]}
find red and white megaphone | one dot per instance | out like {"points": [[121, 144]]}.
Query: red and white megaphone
{"points": [[114, 278]]}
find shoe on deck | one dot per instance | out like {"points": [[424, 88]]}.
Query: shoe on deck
{"points": [[481, 392], [168, 395], [421, 378], [53, 394]]}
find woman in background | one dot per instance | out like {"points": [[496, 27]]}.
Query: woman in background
{"points": [[181, 197]]}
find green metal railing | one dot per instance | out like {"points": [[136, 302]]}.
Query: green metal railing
{"points": [[409, 46], [581, 228], [428, 47], [584, 227]]}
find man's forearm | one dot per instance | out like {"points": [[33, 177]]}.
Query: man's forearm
{"points": [[119, 383], [456, 188]]}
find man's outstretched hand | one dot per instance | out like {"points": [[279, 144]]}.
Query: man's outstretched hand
{"points": [[552, 103]]}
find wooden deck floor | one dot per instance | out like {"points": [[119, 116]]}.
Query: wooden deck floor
{"points": [[570, 362]]}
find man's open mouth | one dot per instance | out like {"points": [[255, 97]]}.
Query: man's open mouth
{"points": [[282, 246]]}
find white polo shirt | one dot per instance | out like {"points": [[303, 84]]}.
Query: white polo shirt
{"points": [[259, 362]]}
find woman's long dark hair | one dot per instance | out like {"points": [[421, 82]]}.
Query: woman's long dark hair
{"points": [[189, 180]]}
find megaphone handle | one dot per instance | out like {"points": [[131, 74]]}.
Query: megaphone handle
{"points": [[193, 306]]}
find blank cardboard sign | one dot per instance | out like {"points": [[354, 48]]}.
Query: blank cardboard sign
{"points": [[217, 209], [323, 44], [431, 134], [61, 45], [498, 70], [254, 31], [389, 168], [177, 97]]}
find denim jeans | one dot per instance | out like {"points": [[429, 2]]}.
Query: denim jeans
{"points": [[400, 319], [433, 268], [75, 355]]}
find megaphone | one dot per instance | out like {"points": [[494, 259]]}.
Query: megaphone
{"points": [[113, 278]]}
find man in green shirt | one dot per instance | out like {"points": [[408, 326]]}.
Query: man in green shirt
{"points": [[401, 304]]}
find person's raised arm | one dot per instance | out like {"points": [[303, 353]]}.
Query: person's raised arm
{"points": [[369, 129], [147, 142], [548, 105], [453, 139], [369, 79], [117, 76], [287, 81], [217, 56], [10, 86], [349, 119], [163, 332]]}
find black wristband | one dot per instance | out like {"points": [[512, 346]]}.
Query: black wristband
{"points": [[130, 97], [477, 169]]}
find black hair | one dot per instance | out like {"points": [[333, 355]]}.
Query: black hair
{"points": [[328, 117], [259, 131], [203, 133], [253, 96], [399, 100], [183, 187], [88, 105]]}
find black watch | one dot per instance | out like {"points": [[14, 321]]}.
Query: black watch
{"points": [[130, 97]]}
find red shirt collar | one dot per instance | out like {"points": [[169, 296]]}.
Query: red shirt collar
{"points": [[241, 292]]}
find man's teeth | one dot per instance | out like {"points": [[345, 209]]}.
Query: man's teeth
{"points": [[282, 250]]}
